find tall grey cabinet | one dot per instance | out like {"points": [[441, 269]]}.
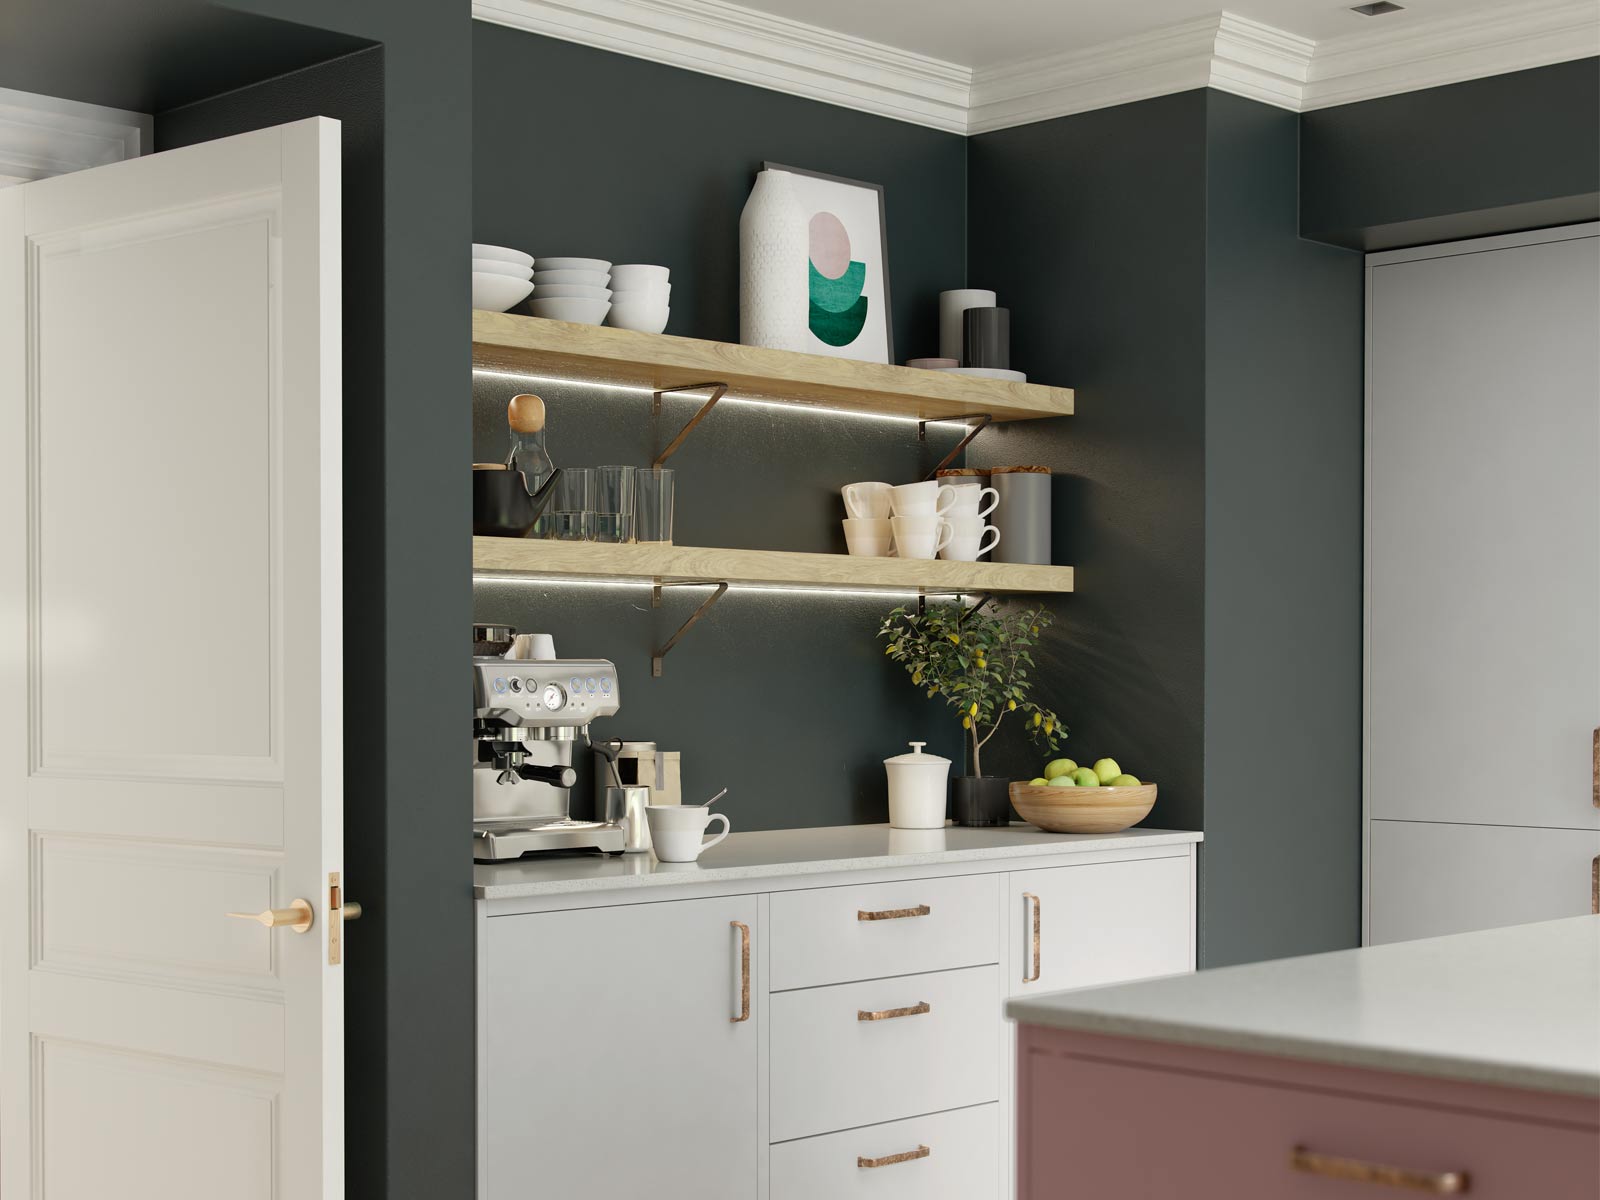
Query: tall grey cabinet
{"points": [[1482, 583]]}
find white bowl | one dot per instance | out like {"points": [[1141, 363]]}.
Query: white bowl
{"points": [[569, 291], [502, 253], [655, 291], [581, 278], [567, 308], [496, 293], [574, 264], [646, 316], [630, 275], [497, 266]]}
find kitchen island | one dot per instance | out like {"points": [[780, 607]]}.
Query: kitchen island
{"points": [[1458, 1065]]}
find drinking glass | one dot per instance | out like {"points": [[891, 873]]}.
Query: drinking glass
{"points": [[571, 511], [613, 504], [654, 489]]}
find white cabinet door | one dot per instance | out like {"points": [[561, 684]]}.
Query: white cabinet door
{"points": [[1428, 880], [171, 719], [1099, 923], [1483, 592], [611, 1061]]}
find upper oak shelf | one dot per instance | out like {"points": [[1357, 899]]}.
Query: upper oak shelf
{"points": [[537, 346]]}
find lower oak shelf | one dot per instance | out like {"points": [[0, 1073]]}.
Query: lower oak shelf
{"points": [[647, 562]]}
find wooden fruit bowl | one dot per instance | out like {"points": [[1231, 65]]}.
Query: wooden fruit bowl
{"points": [[1083, 809]]}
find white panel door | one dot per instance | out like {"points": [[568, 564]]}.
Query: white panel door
{"points": [[1483, 588], [170, 703]]}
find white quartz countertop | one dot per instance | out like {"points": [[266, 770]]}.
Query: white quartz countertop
{"points": [[787, 852], [1517, 1007]]}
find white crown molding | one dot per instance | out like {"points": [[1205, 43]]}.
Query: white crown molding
{"points": [[727, 40], [42, 136], [1222, 51]]}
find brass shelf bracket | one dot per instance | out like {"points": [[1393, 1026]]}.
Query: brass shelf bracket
{"points": [[718, 390], [980, 422], [658, 657]]}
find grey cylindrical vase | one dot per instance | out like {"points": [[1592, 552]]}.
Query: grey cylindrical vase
{"points": [[1023, 515], [986, 339]]}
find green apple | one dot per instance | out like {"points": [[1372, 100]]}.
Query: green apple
{"points": [[1063, 781], [1039, 782], [1106, 769], [1061, 766], [1085, 777], [1124, 781]]}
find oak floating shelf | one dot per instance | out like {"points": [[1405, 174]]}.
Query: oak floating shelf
{"points": [[537, 346], [658, 563]]}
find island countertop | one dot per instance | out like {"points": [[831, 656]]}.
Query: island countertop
{"points": [[777, 853], [1514, 1007]]}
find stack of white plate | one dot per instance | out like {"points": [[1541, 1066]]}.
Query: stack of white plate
{"points": [[572, 289], [501, 277], [641, 296]]}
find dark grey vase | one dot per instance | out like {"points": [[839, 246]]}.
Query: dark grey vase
{"points": [[980, 800]]}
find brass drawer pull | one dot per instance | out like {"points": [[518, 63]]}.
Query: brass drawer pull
{"points": [[888, 1160], [893, 914], [1029, 897], [1353, 1170], [744, 971], [889, 1014]]}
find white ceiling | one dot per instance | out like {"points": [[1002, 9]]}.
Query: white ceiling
{"points": [[993, 32]]}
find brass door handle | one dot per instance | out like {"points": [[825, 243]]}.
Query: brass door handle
{"points": [[350, 910], [893, 914], [298, 916], [889, 1014], [1354, 1170], [1029, 897], [888, 1160], [744, 971]]}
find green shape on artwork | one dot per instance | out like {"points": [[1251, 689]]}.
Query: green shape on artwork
{"points": [[838, 295], [839, 328]]}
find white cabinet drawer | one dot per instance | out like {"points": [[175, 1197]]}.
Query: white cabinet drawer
{"points": [[949, 1156], [841, 934], [834, 1066]]}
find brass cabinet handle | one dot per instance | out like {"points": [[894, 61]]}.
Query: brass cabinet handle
{"points": [[298, 916], [888, 1160], [744, 971], [889, 1014], [893, 914], [1037, 910], [1353, 1170], [1594, 779]]}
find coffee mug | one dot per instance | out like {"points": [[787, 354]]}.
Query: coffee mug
{"points": [[970, 539], [677, 830], [866, 501], [920, 536], [970, 499], [869, 538], [929, 498]]}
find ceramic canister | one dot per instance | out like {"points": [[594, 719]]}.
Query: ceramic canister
{"points": [[1023, 514], [918, 784]]}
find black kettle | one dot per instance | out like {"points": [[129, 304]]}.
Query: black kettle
{"points": [[502, 503]]}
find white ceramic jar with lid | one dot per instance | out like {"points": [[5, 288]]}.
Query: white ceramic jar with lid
{"points": [[918, 784]]}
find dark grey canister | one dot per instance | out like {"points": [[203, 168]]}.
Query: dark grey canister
{"points": [[1022, 516], [986, 340]]}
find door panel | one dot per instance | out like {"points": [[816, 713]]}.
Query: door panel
{"points": [[171, 711], [1428, 880]]}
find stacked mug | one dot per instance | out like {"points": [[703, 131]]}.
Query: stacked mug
{"points": [[970, 536], [641, 295], [919, 520]]}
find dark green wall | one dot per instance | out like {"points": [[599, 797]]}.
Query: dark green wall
{"points": [[1494, 155]]}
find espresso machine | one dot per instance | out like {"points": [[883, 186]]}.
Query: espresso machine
{"points": [[528, 715]]}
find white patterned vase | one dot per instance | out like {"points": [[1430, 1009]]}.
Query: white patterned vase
{"points": [[774, 301]]}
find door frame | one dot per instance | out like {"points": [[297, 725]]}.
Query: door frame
{"points": [[1384, 258]]}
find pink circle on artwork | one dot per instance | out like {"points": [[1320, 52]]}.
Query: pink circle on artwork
{"points": [[830, 245]]}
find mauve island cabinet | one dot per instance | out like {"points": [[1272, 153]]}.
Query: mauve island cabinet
{"points": [[802, 1014], [1465, 1065]]}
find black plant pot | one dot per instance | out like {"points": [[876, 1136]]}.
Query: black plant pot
{"points": [[979, 800]]}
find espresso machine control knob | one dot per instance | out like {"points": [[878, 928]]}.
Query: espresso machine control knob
{"points": [[554, 698]]}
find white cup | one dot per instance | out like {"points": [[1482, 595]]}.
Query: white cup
{"points": [[970, 499], [970, 539], [920, 535], [869, 537], [922, 499], [676, 830], [866, 501], [638, 275]]}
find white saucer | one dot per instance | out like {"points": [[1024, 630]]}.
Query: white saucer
{"points": [[986, 373]]}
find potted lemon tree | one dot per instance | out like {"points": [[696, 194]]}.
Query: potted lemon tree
{"points": [[980, 663]]}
